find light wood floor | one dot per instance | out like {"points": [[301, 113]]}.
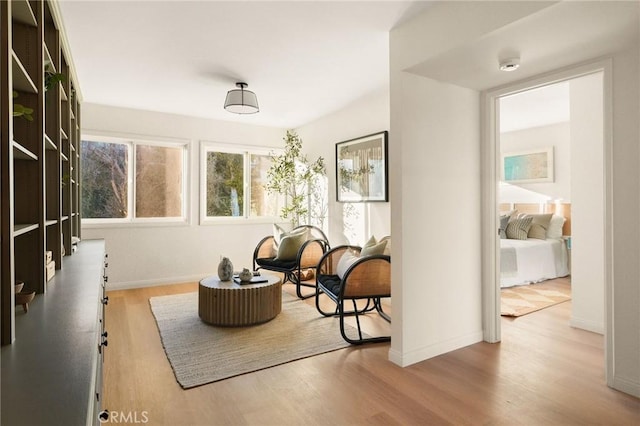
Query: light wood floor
{"points": [[543, 373]]}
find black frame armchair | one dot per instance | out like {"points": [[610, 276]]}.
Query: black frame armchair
{"points": [[308, 257], [368, 278]]}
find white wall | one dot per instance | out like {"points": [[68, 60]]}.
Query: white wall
{"points": [[363, 117], [587, 213], [436, 209], [147, 255], [624, 325], [440, 29], [554, 135]]}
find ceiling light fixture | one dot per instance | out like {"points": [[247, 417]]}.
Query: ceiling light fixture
{"points": [[510, 64], [241, 101]]}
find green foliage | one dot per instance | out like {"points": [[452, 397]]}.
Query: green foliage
{"points": [[225, 184], [20, 110], [292, 175], [52, 78], [104, 180]]}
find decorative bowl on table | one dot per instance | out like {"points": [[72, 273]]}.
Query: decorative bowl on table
{"points": [[245, 275]]}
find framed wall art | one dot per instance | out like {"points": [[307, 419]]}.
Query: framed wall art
{"points": [[528, 166], [362, 169]]}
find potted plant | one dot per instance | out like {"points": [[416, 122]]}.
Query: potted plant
{"points": [[299, 180], [51, 78], [20, 110]]}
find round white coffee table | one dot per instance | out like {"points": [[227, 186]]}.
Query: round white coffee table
{"points": [[228, 303]]}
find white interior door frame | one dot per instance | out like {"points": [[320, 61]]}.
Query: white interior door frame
{"points": [[490, 125]]}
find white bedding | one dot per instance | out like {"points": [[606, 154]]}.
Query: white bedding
{"points": [[532, 260]]}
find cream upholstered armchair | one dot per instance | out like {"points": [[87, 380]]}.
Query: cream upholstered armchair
{"points": [[298, 251], [350, 273]]}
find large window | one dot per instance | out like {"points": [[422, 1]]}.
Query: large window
{"points": [[232, 184], [126, 181]]}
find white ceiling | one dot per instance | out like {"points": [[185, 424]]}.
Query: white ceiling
{"points": [[536, 107], [302, 59], [559, 35]]}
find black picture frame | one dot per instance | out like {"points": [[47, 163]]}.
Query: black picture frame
{"points": [[362, 169]]}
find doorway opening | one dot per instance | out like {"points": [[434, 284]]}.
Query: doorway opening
{"points": [[583, 189]]}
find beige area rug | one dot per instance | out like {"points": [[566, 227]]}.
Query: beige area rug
{"points": [[200, 353], [522, 300]]}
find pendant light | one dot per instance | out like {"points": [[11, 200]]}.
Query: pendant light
{"points": [[241, 101]]}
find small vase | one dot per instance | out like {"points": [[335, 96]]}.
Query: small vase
{"points": [[246, 275], [225, 269]]}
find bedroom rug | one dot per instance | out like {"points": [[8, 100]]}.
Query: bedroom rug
{"points": [[522, 300], [200, 353]]}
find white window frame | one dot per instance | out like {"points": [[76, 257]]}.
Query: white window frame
{"points": [[246, 151], [131, 219]]}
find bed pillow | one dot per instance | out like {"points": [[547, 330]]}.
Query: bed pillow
{"points": [[290, 245], [348, 258], [539, 226], [504, 221], [518, 229], [555, 226]]}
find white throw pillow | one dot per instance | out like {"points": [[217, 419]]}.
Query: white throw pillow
{"points": [[555, 226], [377, 248], [345, 262]]}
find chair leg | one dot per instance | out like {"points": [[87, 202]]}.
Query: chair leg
{"points": [[355, 310], [320, 310], [360, 339], [295, 279], [382, 313]]}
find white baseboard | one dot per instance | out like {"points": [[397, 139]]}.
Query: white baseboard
{"points": [[587, 325], [626, 386], [433, 350], [127, 285]]}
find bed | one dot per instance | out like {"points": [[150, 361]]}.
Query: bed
{"points": [[532, 260], [534, 254]]}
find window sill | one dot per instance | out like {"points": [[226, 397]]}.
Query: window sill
{"points": [[239, 221], [86, 224]]}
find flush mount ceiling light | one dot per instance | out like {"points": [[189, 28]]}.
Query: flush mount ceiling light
{"points": [[241, 101], [510, 64]]}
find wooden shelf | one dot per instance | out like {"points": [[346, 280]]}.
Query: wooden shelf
{"points": [[23, 228], [63, 93], [21, 12], [49, 143], [21, 79], [22, 153], [48, 60], [31, 39]]}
